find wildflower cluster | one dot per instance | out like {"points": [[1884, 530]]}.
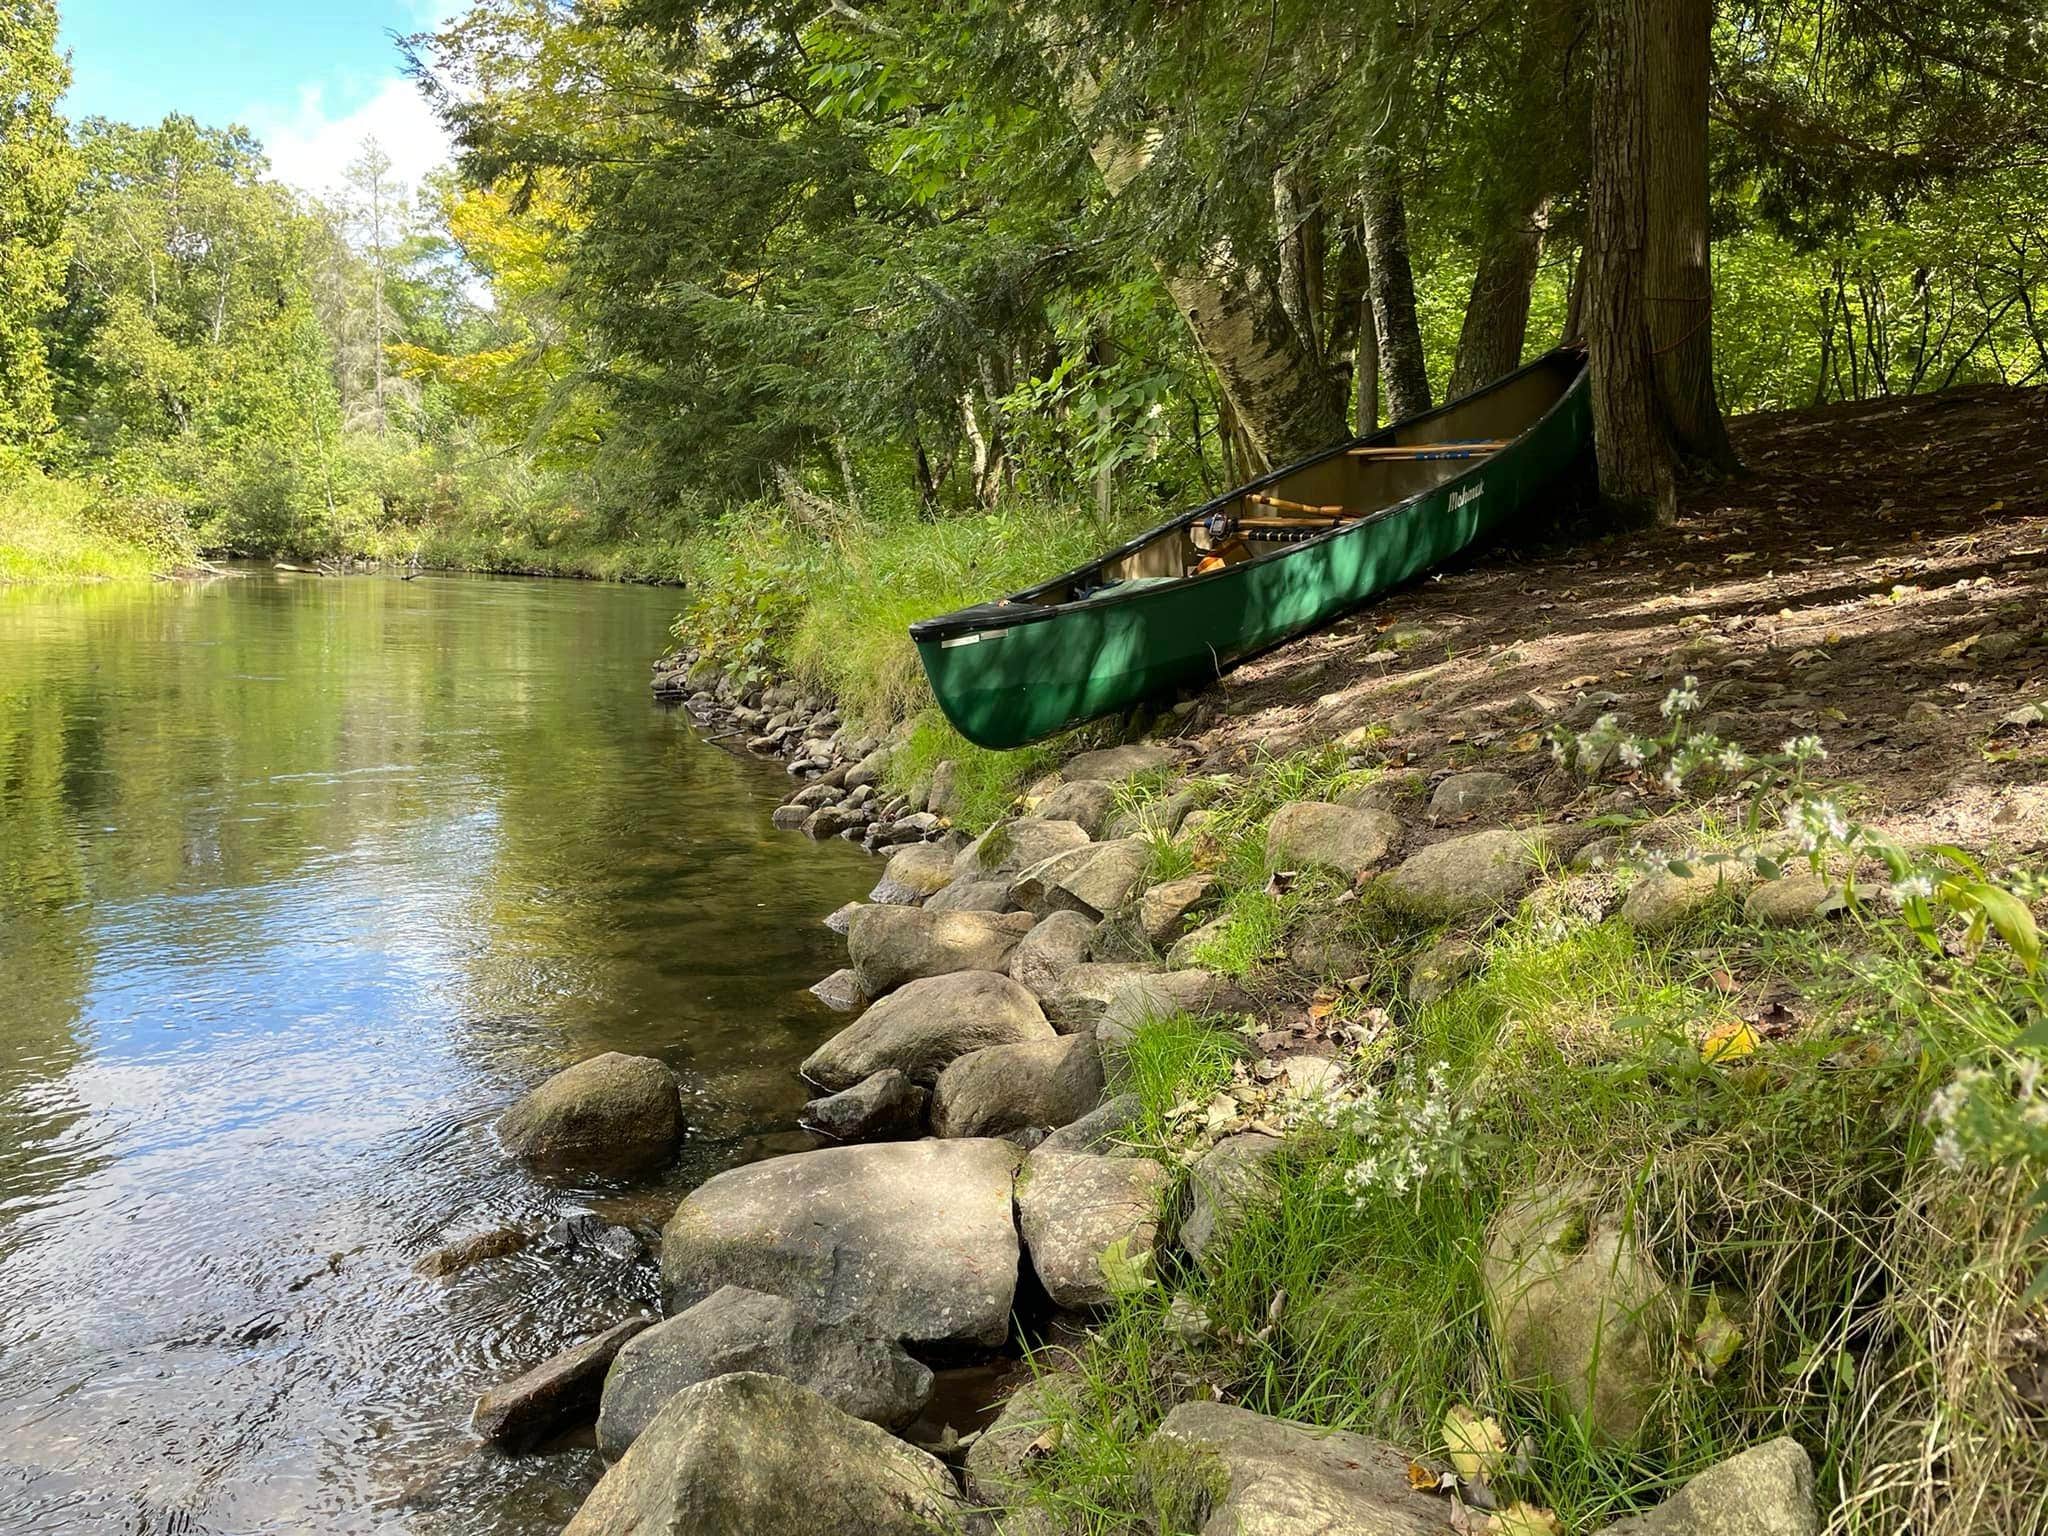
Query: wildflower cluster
{"points": [[1411, 1133], [1991, 1114]]}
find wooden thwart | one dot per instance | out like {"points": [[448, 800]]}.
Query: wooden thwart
{"points": [[1471, 450]]}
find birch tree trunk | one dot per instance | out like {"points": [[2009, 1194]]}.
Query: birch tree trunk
{"points": [[1628, 428], [1392, 284], [1678, 278]]}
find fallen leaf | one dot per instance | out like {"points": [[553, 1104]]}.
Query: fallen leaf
{"points": [[1716, 1339], [1520, 1519], [1728, 1041], [1421, 1478], [1046, 1443], [1476, 1445]]}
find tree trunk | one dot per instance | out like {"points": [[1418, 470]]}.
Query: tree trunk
{"points": [[1497, 314], [1634, 452], [1677, 280], [1392, 284], [1367, 371]]}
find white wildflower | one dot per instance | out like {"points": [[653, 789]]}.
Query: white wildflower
{"points": [[1683, 699], [1912, 888], [1733, 759], [1804, 749], [1631, 753], [1674, 778], [1948, 1151]]}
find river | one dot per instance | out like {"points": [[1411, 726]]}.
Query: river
{"points": [[302, 881]]}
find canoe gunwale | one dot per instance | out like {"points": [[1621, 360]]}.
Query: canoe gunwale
{"points": [[1018, 609]]}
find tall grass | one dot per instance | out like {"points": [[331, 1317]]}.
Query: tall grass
{"points": [[56, 530]]}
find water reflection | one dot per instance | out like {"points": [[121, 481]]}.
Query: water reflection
{"points": [[301, 881]]}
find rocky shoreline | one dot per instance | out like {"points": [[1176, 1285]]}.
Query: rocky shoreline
{"points": [[983, 1192]]}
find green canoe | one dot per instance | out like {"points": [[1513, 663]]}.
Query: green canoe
{"points": [[1260, 564]]}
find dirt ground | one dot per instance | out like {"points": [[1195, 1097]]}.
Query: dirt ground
{"points": [[1877, 576]]}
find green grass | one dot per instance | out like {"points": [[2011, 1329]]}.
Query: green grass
{"points": [[985, 784], [52, 530], [1872, 1282]]}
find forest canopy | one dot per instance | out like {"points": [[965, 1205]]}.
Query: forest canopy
{"points": [[876, 259]]}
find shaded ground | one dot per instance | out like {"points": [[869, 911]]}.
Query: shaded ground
{"points": [[1878, 577]]}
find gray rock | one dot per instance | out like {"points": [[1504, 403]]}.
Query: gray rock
{"points": [[1765, 1491], [999, 1462], [735, 1329], [1008, 848], [1468, 794], [446, 1262], [1441, 967], [911, 1240], [1049, 951], [1083, 993], [1115, 764], [1188, 948], [611, 1114], [555, 1395], [1005, 1088], [1794, 900], [926, 1024], [1163, 909], [1074, 1207], [1597, 853], [788, 818], [840, 919], [1663, 900], [811, 796], [754, 1455], [892, 945], [1316, 834], [1222, 1183], [1162, 817], [972, 896], [1221, 1470], [1473, 873], [869, 769], [1102, 1129], [831, 820], [841, 991], [885, 1106], [942, 797], [1094, 880], [1085, 802], [1395, 791], [1576, 1309], [1203, 994], [1325, 951], [921, 870]]}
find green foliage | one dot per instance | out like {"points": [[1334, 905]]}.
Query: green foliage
{"points": [[985, 784], [37, 172], [53, 529]]}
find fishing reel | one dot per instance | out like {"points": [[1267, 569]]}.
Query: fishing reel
{"points": [[1212, 532]]}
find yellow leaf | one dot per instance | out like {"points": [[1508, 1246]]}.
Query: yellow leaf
{"points": [[1476, 1445], [1420, 1477], [1729, 1041], [1520, 1519]]}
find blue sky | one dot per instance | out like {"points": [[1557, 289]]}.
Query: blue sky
{"points": [[310, 77]]}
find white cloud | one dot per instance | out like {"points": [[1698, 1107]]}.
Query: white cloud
{"points": [[310, 147]]}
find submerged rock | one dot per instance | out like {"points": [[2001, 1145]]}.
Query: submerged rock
{"points": [[735, 1329], [1315, 834], [924, 1025], [1075, 1208], [884, 1106], [892, 945], [754, 1455], [555, 1394], [1004, 1088], [911, 1240], [1765, 1491], [1577, 1309], [611, 1114], [446, 1262], [1225, 1471]]}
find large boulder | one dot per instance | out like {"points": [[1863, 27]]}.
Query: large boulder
{"points": [[1103, 1129], [1075, 1207], [555, 1395], [1115, 764], [754, 1455], [1049, 951], [1577, 1309], [911, 1240], [924, 1025], [1005, 1088], [892, 945], [1085, 802], [1223, 1183], [1795, 900], [1477, 872], [1667, 898], [1165, 908], [1221, 1470], [1010, 847], [912, 874], [1078, 999], [612, 1114], [1000, 1460], [1765, 1491], [735, 1329], [1315, 834], [1093, 881], [972, 896], [884, 1106]]}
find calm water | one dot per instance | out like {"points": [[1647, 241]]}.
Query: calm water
{"points": [[301, 882]]}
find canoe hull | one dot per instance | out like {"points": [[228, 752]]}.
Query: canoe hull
{"points": [[1026, 677]]}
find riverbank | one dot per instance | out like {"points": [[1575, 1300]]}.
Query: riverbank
{"points": [[1550, 1051]]}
